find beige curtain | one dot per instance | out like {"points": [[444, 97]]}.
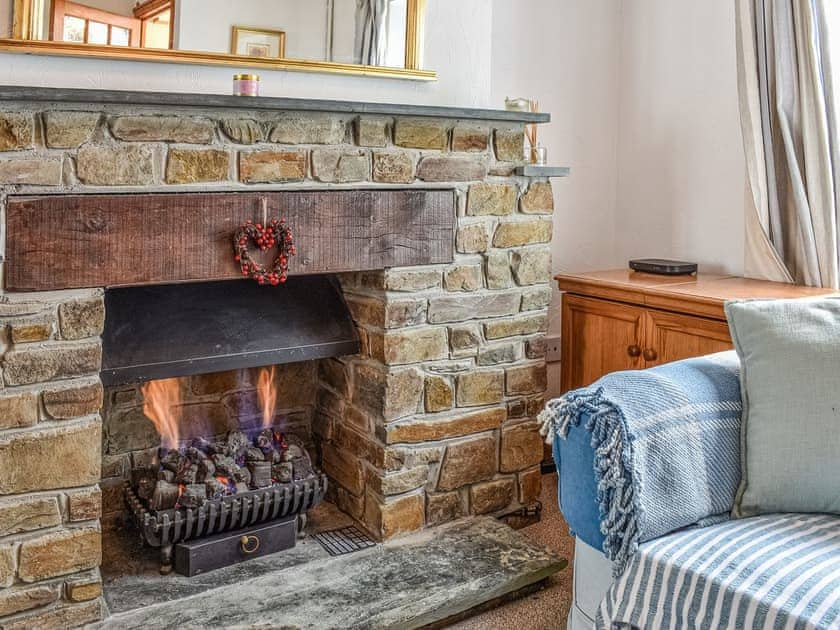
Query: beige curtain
{"points": [[789, 118]]}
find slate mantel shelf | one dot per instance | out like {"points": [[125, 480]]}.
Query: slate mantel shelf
{"points": [[123, 97]]}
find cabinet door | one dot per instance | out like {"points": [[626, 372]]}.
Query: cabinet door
{"points": [[599, 337], [671, 337]]}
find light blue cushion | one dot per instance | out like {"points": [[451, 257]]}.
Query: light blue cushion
{"points": [[790, 386]]}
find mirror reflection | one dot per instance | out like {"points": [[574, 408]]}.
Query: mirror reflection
{"points": [[366, 32]]}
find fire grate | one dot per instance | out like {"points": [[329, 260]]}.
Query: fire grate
{"points": [[338, 542]]}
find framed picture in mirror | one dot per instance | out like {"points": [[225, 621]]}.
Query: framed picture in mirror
{"points": [[258, 42]]}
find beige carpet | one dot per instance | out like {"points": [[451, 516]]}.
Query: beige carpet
{"points": [[546, 609]]}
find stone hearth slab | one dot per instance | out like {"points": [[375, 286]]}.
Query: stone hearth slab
{"points": [[407, 583]]}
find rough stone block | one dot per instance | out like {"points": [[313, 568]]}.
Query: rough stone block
{"points": [[65, 457], [480, 387], [399, 313], [339, 166], [509, 144], [129, 431], [412, 279], [492, 496], [390, 167], [464, 340], [8, 564], [463, 307], [83, 589], [535, 405], [402, 515], [69, 130], [526, 379], [522, 447], [467, 462], [80, 319], [491, 199], [373, 132], [530, 484], [60, 553], [536, 347], [189, 130], [469, 138], [531, 265], [538, 200], [421, 134], [498, 353], [23, 599], [10, 308], [522, 325], [309, 129], [452, 426], [32, 328], [518, 233], [451, 168], [443, 507], [242, 130], [267, 167], [399, 482], [38, 364], [388, 395], [59, 618], [84, 505], [214, 383], [472, 239], [18, 409], [439, 395], [17, 131], [497, 269], [191, 166], [132, 165], [335, 373], [367, 311], [345, 468], [536, 298], [410, 346], [28, 514], [31, 172], [463, 278]]}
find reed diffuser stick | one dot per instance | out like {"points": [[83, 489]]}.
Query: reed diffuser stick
{"points": [[531, 130]]}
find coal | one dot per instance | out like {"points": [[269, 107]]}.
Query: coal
{"points": [[165, 496], [260, 474], [194, 495]]}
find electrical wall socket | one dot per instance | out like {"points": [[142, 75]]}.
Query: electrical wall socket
{"points": [[552, 353]]}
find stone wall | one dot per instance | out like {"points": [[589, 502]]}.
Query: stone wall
{"points": [[433, 420]]}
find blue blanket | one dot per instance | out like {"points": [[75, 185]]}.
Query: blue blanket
{"points": [[667, 447]]}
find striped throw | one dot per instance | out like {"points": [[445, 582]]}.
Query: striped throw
{"points": [[780, 571], [667, 447]]}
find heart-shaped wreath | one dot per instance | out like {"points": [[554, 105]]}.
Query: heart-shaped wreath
{"points": [[266, 236]]}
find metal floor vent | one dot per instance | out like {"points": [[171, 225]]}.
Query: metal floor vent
{"points": [[338, 542]]}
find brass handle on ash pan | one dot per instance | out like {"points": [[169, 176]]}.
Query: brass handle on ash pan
{"points": [[249, 544]]}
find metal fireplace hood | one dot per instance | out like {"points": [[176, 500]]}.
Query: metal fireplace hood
{"points": [[163, 331]]}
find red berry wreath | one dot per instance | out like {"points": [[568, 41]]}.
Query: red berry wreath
{"points": [[274, 233]]}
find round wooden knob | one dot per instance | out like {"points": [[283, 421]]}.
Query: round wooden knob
{"points": [[249, 543], [634, 350], [650, 354]]}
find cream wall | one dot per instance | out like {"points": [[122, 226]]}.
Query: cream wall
{"points": [[681, 173]]}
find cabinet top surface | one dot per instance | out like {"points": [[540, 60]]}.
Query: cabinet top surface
{"points": [[702, 293]]}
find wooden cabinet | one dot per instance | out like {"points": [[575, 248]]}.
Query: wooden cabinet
{"points": [[622, 320]]}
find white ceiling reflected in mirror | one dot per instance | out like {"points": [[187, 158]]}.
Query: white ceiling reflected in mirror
{"points": [[378, 37]]}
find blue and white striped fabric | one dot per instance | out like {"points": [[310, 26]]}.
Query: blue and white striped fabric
{"points": [[667, 447], [780, 571]]}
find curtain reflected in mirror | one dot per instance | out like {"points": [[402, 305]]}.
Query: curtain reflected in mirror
{"points": [[366, 32]]}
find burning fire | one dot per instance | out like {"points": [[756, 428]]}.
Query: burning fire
{"points": [[267, 392], [162, 405]]}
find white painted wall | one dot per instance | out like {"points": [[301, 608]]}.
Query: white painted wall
{"points": [[458, 43], [681, 173]]}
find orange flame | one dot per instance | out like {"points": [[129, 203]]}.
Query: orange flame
{"points": [[267, 391], [162, 405]]}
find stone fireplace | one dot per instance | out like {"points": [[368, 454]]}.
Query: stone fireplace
{"points": [[430, 421]]}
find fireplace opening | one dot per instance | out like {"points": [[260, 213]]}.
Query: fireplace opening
{"points": [[214, 466]]}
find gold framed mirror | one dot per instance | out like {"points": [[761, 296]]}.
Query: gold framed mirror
{"points": [[358, 37]]}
